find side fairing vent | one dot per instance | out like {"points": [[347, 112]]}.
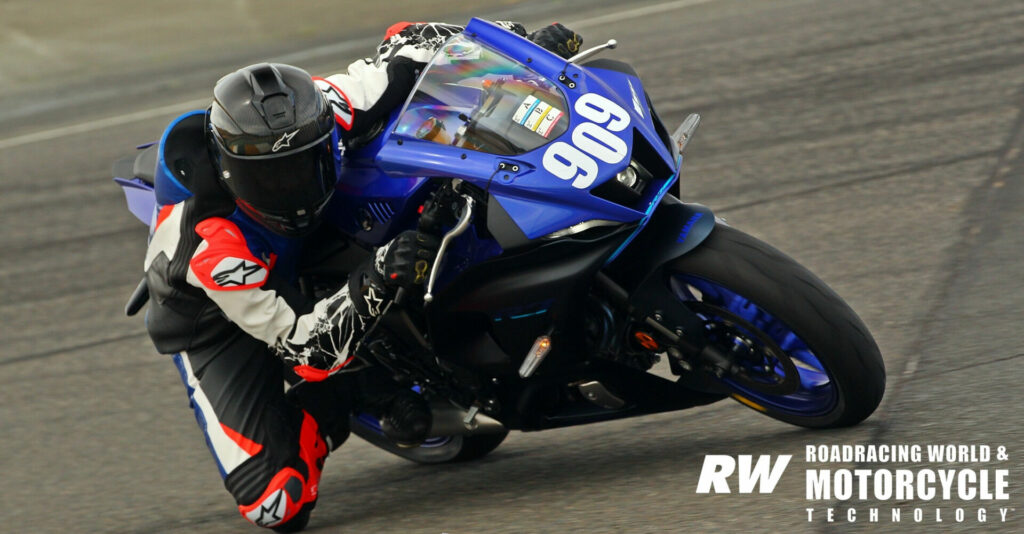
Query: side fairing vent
{"points": [[381, 211]]}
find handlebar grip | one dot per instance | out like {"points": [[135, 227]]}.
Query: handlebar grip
{"points": [[399, 296]]}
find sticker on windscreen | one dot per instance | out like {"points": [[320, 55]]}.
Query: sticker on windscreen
{"points": [[537, 115], [462, 51]]}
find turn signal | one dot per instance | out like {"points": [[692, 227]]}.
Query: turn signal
{"points": [[540, 349]]}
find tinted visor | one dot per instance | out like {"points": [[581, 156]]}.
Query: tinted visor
{"points": [[286, 191]]}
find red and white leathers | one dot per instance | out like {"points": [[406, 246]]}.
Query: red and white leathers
{"points": [[224, 301]]}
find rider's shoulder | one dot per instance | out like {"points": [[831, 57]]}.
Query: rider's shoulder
{"points": [[226, 259]]}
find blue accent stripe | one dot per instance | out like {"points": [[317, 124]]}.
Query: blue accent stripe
{"points": [[530, 111], [647, 215], [200, 418], [528, 314]]}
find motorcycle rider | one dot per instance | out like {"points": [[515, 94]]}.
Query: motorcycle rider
{"points": [[222, 269]]}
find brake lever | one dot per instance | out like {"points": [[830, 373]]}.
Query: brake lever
{"points": [[460, 227]]}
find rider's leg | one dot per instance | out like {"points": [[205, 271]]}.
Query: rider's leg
{"points": [[268, 449]]}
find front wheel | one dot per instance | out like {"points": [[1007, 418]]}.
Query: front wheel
{"points": [[802, 355]]}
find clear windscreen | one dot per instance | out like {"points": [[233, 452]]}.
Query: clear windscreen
{"points": [[472, 97]]}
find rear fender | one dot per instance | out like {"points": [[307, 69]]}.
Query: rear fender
{"points": [[140, 198]]}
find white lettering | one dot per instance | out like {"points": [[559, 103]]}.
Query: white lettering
{"points": [[843, 489], [964, 489], [716, 469], [600, 143], [763, 474], [883, 485], [904, 484], [568, 163], [925, 485], [595, 139], [818, 482], [599, 109], [1002, 484]]}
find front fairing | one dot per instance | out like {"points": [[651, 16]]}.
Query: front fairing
{"points": [[533, 182]]}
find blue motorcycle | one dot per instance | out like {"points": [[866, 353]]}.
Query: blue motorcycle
{"points": [[568, 269]]}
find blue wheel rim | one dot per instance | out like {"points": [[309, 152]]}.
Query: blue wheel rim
{"points": [[373, 423], [816, 393]]}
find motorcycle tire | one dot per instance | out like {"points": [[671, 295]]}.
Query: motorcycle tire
{"points": [[747, 291]]}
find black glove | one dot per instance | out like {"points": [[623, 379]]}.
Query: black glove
{"points": [[405, 261], [401, 263], [558, 39]]}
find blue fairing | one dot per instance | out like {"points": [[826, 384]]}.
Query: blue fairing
{"points": [[537, 201], [140, 198], [168, 189], [384, 182], [144, 198], [366, 195]]}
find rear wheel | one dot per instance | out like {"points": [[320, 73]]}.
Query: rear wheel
{"points": [[802, 355]]}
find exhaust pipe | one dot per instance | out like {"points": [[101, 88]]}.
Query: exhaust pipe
{"points": [[449, 420]]}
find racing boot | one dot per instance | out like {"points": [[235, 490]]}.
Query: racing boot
{"points": [[297, 523]]}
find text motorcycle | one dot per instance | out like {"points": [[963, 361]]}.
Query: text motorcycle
{"points": [[567, 269]]}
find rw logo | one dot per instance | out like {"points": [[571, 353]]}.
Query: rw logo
{"points": [[714, 476]]}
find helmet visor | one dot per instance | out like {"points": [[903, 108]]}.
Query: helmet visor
{"points": [[288, 189]]}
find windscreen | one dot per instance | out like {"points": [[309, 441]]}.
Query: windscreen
{"points": [[473, 97]]}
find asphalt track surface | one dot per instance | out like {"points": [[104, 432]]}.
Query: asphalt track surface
{"points": [[878, 142]]}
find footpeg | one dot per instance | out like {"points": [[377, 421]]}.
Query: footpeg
{"points": [[596, 393]]}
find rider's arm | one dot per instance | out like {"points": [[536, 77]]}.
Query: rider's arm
{"points": [[316, 338]]}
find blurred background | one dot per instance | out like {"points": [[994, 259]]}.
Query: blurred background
{"points": [[877, 142]]}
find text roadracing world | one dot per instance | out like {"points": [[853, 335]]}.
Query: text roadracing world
{"points": [[952, 489]]}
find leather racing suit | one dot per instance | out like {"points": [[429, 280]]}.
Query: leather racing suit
{"points": [[225, 303]]}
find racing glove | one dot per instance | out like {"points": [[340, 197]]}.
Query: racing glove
{"points": [[403, 262], [558, 39]]}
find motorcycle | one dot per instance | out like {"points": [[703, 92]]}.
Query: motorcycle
{"points": [[568, 273]]}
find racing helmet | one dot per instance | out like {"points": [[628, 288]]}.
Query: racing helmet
{"points": [[273, 141]]}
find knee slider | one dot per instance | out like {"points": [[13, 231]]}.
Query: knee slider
{"points": [[291, 489], [283, 499]]}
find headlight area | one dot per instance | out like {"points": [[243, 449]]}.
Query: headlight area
{"points": [[628, 186]]}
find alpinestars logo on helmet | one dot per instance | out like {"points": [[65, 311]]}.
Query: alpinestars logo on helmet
{"points": [[284, 142]]}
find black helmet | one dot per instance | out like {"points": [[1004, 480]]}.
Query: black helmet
{"points": [[275, 146]]}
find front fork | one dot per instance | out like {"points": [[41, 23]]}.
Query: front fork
{"points": [[675, 228]]}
